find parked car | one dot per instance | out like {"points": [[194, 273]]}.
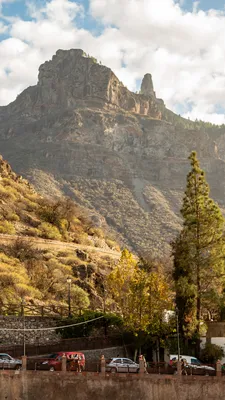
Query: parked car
{"points": [[8, 362], [121, 365], [53, 362], [193, 364]]}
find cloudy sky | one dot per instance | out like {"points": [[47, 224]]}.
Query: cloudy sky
{"points": [[180, 42]]}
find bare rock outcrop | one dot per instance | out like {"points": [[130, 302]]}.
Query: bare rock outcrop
{"points": [[112, 150]]}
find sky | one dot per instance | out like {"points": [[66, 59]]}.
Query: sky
{"points": [[180, 42]]}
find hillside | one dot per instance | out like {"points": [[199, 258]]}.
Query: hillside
{"points": [[43, 242], [122, 155]]}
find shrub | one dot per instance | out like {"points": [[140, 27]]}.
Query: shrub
{"points": [[7, 228], [211, 353], [112, 245], [32, 232], [11, 216], [49, 231]]}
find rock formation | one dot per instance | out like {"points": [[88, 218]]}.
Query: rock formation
{"points": [[147, 86], [82, 132]]}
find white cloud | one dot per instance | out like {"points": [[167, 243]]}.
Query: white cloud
{"points": [[184, 51]]}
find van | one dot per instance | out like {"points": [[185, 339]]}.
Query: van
{"points": [[192, 362], [53, 362]]}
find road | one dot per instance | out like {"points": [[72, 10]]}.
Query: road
{"points": [[57, 245]]}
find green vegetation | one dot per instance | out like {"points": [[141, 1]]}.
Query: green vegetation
{"points": [[183, 123], [132, 294], [211, 353], [40, 275], [141, 294], [199, 255]]}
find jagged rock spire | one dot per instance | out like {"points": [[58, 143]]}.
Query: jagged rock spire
{"points": [[147, 86]]}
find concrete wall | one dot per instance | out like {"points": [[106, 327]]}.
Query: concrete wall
{"points": [[67, 386]]}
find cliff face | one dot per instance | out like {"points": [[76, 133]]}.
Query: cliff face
{"points": [[80, 131]]}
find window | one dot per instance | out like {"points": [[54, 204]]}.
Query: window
{"points": [[127, 361], [195, 361], [5, 357], [117, 361], [53, 356]]}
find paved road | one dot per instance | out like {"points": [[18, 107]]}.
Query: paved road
{"points": [[57, 245]]}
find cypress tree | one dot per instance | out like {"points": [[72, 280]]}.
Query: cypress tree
{"points": [[198, 250]]}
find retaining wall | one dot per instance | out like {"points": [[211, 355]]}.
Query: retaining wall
{"points": [[70, 386], [32, 337]]}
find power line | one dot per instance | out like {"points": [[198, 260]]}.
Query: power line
{"points": [[50, 329]]}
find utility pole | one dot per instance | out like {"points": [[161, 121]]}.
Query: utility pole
{"points": [[104, 309], [69, 280]]}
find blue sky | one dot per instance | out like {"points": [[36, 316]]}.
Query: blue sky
{"points": [[180, 42]]}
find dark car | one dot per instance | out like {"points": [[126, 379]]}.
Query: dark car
{"points": [[8, 362]]}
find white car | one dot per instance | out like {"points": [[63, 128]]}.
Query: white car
{"points": [[122, 365], [192, 362], [7, 362]]}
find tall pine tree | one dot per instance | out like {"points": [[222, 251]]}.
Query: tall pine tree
{"points": [[198, 251]]}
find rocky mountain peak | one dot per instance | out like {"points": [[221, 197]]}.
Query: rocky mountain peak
{"points": [[81, 132], [72, 79], [147, 86]]}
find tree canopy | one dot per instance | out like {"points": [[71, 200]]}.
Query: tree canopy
{"points": [[198, 252]]}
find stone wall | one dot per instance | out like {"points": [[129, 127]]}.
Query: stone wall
{"points": [[110, 352], [31, 337], [67, 386]]}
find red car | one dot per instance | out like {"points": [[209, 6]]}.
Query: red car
{"points": [[53, 362]]}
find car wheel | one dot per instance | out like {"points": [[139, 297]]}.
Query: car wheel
{"points": [[113, 369], [18, 367], [52, 369], [137, 371]]}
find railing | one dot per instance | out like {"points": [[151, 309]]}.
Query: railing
{"points": [[34, 310], [165, 368]]}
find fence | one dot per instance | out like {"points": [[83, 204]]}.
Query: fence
{"points": [[165, 368], [36, 311], [36, 363]]}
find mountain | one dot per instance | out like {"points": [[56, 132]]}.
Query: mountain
{"points": [[43, 242], [122, 155]]}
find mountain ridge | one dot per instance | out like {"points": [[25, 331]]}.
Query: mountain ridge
{"points": [[121, 154]]}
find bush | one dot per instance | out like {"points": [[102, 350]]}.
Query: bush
{"points": [[49, 231], [11, 216], [7, 228], [211, 353], [83, 330]]}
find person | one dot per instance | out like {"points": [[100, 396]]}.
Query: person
{"points": [[183, 366], [76, 363], [145, 364], [69, 362]]}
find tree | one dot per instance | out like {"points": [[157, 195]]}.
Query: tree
{"points": [[198, 250], [141, 296]]}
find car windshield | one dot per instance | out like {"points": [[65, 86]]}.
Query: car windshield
{"points": [[5, 357], [52, 355], [195, 361]]}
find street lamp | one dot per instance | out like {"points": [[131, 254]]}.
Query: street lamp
{"points": [[69, 280], [23, 303], [178, 333]]}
